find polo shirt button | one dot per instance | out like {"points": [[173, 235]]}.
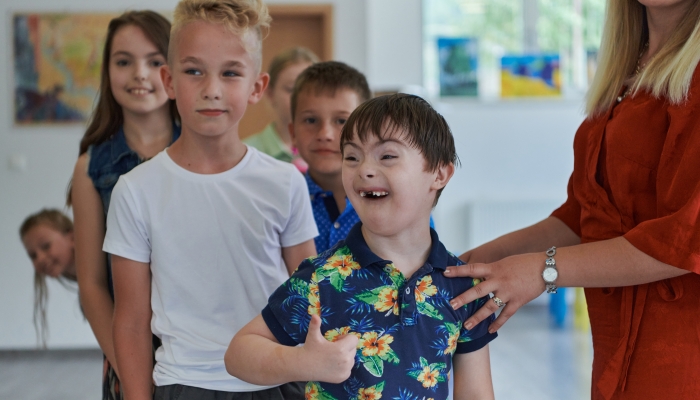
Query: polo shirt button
{"points": [[408, 290], [336, 225], [387, 269]]}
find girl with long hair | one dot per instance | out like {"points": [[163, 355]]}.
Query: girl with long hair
{"points": [[47, 237], [134, 120]]}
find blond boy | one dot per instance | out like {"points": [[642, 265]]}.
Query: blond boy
{"points": [[202, 234]]}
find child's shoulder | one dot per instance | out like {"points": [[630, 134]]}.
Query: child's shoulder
{"points": [[269, 166]]}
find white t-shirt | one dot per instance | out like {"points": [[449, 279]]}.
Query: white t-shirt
{"points": [[214, 244]]}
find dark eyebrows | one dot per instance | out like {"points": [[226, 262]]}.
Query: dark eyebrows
{"points": [[126, 53]]}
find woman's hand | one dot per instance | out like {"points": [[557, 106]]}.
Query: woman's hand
{"points": [[516, 280]]}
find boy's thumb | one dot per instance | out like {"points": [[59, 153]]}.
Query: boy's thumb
{"points": [[315, 326]]}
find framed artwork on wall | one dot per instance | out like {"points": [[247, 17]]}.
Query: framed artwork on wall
{"points": [[57, 61]]}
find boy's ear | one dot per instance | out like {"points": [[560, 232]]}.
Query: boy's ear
{"points": [[443, 175], [167, 78], [259, 88]]}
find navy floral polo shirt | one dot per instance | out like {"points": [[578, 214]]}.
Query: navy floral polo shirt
{"points": [[407, 329]]}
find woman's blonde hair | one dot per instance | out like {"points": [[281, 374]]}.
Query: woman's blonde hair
{"points": [[625, 34], [60, 222]]}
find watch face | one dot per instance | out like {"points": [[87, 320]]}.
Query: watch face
{"points": [[550, 275]]}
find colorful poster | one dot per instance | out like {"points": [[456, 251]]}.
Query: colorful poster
{"points": [[530, 75], [458, 66], [57, 60]]}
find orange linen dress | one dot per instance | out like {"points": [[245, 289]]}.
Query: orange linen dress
{"points": [[637, 175]]}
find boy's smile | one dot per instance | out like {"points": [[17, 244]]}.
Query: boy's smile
{"points": [[213, 77], [387, 183]]}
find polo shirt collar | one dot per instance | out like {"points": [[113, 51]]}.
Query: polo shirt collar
{"points": [[437, 258]]}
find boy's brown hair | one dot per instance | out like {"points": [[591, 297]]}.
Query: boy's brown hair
{"points": [[238, 16], [422, 126], [328, 77]]}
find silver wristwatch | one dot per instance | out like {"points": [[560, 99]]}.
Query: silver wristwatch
{"points": [[550, 272]]}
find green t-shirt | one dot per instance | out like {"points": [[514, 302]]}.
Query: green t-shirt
{"points": [[270, 143]]}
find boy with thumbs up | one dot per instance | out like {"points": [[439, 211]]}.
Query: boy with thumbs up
{"points": [[374, 328]]}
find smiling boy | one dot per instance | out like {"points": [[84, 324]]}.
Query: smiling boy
{"points": [[202, 234], [374, 310]]}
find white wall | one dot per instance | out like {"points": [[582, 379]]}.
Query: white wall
{"points": [[508, 150], [50, 152]]}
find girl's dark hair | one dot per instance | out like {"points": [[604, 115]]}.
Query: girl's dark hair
{"points": [[108, 117]]}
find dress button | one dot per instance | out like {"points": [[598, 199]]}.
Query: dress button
{"points": [[408, 290], [336, 225]]}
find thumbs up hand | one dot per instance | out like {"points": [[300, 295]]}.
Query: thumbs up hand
{"points": [[327, 361]]}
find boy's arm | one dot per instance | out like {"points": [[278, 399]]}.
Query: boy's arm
{"points": [[472, 375], [132, 326], [294, 255], [256, 356]]}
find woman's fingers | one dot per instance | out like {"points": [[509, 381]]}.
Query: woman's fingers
{"points": [[475, 271], [481, 314]]}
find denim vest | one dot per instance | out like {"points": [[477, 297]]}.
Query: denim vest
{"points": [[108, 161]]}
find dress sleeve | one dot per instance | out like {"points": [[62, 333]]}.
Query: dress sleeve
{"points": [[570, 211], [288, 310], [674, 237]]}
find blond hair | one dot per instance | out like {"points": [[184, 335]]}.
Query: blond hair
{"points": [[61, 223], [295, 55], [625, 35], [240, 17]]}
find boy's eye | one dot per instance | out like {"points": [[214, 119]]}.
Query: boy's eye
{"points": [[45, 246], [388, 157], [350, 158], [231, 74], [192, 71], [310, 120], [122, 63], [157, 63], [341, 121]]}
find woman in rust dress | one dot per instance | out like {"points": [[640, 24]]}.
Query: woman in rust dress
{"points": [[629, 231]]}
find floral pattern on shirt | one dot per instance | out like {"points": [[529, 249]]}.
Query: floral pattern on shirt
{"points": [[407, 331]]}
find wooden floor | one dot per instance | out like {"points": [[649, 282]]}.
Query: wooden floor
{"points": [[530, 360]]}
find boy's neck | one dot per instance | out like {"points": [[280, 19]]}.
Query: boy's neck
{"points": [[148, 134], [207, 155], [331, 183], [408, 250]]}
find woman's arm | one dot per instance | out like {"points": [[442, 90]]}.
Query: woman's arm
{"points": [[472, 375], [255, 356], [549, 232], [294, 255], [517, 279], [133, 344], [90, 260]]}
